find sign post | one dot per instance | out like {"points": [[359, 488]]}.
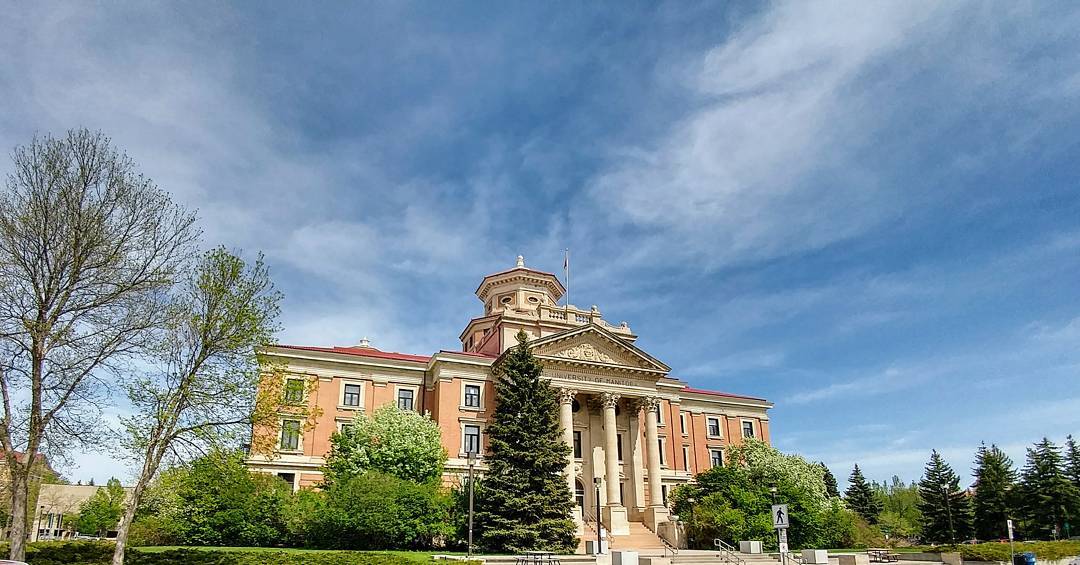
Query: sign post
{"points": [[781, 520]]}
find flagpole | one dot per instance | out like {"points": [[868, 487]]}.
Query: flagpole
{"points": [[566, 268]]}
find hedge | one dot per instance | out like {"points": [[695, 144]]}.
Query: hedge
{"points": [[100, 553], [999, 551]]}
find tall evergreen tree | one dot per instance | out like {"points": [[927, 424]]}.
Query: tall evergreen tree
{"points": [[831, 488], [1049, 498], [995, 478], [946, 510], [1072, 461], [860, 497], [523, 500]]}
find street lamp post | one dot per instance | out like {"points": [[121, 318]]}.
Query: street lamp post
{"points": [[948, 510], [472, 463], [690, 531], [599, 524]]}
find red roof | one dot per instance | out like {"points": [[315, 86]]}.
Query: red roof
{"points": [[718, 393], [471, 353], [362, 352]]}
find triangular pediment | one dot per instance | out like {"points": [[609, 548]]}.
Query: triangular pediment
{"points": [[593, 345]]}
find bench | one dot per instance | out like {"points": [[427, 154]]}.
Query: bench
{"points": [[538, 558]]}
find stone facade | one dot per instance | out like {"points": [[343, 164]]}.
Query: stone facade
{"points": [[621, 410]]}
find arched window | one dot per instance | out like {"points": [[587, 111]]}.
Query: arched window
{"points": [[579, 493]]}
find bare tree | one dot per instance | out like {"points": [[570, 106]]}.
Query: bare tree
{"points": [[204, 387], [88, 246]]}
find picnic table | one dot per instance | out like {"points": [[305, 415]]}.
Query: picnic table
{"points": [[538, 558], [882, 555]]}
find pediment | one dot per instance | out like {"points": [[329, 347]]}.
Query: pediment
{"points": [[592, 345]]}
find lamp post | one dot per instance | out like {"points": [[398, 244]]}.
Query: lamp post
{"points": [[472, 463], [690, 531], [948, 510], [599, 525]]}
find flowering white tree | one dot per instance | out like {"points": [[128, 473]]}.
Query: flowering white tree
{"points": [[397, 442]]}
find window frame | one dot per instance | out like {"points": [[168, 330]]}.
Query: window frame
{"points": [[299, 436], [686, 457], [753, 429], [285, 394], [579, 445], [480, 400], [682, 423], [465, 396], [479, 438], [713, 451], [345, 394], [397, 397], [661, 444], [719, 427]]}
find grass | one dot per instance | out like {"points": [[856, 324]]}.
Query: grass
{"points": [[415, 556]]}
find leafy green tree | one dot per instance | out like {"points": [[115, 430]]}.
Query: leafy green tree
{"points": [[860, 497], [995, 478], [221, 502], [733, 502], [102, 511], [394, 441], [946, 509], [524, 501], [376, 511], [1048, 495], [203, 388], [832, 490], [900, 516]]}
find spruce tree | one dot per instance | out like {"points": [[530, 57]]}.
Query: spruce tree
{"points": [[946, 510], [994, 482], [831, 488], [1072, 461], [860, 497], [523, 500], [1049, 498]]}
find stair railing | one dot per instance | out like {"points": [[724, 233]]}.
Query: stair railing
{"points": [[668, 547], [727, 552]]}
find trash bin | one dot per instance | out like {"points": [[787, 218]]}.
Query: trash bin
{"points": [[1026, 558]]}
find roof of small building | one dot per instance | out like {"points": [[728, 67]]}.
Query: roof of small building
{"points": [[362, 352]]}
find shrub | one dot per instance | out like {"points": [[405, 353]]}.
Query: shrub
{"points": [[154, 530], [378, 511]]}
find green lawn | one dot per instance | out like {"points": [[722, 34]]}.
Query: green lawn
{"points": [[417, 556]]}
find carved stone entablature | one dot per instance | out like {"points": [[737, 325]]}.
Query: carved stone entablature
{"points": [[585, 352], [566, 395], [609, 399]]}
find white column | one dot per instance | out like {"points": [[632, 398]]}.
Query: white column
{"points": [[614, 513], [566, 421], [656, 512]]}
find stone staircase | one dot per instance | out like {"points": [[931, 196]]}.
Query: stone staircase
{"points": [[640, 538], [709, 557]]}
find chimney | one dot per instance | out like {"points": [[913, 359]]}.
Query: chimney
{"points": [[364, 343]]}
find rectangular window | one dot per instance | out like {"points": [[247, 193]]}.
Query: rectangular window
{"points": [[686, 458], [351, 396], [663, 456], [716, 457], [618, 445], [405, 398], [344, 426], [294, 391], [663, 494], [714, 426], [682, 422], [472, 438], [659, 417], [577, 444], [472, 396], [290, 435], [747, 428]]}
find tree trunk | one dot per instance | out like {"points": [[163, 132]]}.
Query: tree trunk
{"points": [[148, 471], [20, 491]]}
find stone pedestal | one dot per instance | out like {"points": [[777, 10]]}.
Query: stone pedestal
{"points": [[815, 556], [750, 547], [654, 516], [624, 557], [856, 559], [615, 520]]}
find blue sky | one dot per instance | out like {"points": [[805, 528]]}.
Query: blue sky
{"points": [[865, 212]]}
